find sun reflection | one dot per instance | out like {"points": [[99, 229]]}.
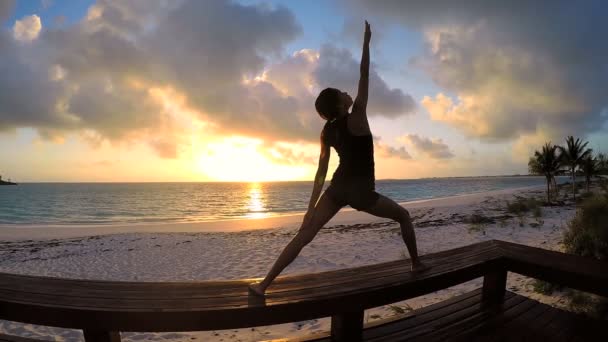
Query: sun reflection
{"points": [[256, 201]]}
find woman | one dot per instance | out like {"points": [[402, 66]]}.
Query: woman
{"points": [[353, 180]]}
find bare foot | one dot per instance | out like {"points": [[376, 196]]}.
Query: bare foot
{"points": [[256, 289], [418, 267]]}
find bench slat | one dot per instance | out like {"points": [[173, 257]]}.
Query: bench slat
{"points": [[574, 271], [209, 289], [214, 305], [189, 301], [217, 313], [467, 319]]}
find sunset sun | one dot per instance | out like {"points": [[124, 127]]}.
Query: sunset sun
{"points": [[240, 159]]}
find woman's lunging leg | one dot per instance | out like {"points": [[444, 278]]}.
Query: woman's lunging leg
{"points": [[326, 209], [387, 208]]}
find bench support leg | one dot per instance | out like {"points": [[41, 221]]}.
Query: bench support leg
{"points": [[494, 287], [347, 326], [101, 336]]}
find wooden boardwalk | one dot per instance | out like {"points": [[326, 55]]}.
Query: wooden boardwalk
{"points": [[466, 318], [104, 308]]}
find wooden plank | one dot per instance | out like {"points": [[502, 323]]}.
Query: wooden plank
{"points": [[166, 320], [455, 323], [112, 296], [420, 317], [520, 327], [471, 296], [94, 335], [427, 323], [485, 330], [153, 290], [347, 327], [494, 287], [208, 288], [573, 271], [11, 338]]}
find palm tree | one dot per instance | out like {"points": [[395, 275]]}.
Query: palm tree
{"points": [[602, 164], [573, 154], [547, 162], [590, 169]]}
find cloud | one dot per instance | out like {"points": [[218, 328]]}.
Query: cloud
{"points": [[100, 77], [283, 154], [338, 69], [98, 74], [388, 151], [164, 148], [511, 68], [6, 8], [435, 148], [27, 29]]}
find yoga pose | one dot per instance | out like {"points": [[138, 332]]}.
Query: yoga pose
{"points": [[353, 181]]}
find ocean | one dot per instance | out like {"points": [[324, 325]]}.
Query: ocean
{"points": [[110, 203]]}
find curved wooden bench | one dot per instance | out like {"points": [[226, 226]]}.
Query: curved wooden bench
{"points": [[103, 308]]}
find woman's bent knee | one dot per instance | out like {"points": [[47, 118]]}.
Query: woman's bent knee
{"points": [[405, 215], [303, 238]]}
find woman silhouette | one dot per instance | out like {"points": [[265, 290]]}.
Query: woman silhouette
{"points": [[353, 181]]}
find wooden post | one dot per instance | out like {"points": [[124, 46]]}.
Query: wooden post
{"points": [[494, 287], [101, 336], [347, 327]]}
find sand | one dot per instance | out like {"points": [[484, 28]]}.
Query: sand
{"points": [[247, 248]]}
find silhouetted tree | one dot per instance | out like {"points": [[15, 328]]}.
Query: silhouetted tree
{"points": [[547, 162], [590, 169], [602, 164], [573, 154]]}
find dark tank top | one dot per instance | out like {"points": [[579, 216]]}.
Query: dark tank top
{"points": [[356, 154]]}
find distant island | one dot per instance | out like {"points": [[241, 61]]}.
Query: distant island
{"points": [[5, 182]]}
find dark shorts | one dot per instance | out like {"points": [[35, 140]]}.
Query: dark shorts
{"points": [[359, 197]]}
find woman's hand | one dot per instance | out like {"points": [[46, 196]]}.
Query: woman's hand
{"points": [[367, 36]]}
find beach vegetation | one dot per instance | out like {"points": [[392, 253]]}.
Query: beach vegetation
{"points": [[588, 304], [587, 235], [478, 221], [544, 287], [602, 164], [604, 186], [479, 218], [589, 167], [400, 309], [523, 205], [546, 162], [537, 212], [572, 156]]}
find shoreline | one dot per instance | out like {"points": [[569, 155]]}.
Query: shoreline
{"points": [[15, 232]]}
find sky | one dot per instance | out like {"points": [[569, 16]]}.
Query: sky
{"points": [[188, 90]]}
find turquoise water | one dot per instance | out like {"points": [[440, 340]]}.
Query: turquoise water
{"points": [[105, 203]]}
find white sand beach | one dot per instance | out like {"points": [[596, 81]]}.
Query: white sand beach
{"points": [[247, 248]]}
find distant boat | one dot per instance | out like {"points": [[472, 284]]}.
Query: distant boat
{"points": [[5, 182]]}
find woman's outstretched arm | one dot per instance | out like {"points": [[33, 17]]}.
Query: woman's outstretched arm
{"points": [[319, 178], [361, 100]]}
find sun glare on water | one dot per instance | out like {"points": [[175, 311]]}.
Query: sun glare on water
{"points": [[238, 159]]}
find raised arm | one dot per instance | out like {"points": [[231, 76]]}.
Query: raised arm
{"points": [[321, 174], [361, 100]]}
